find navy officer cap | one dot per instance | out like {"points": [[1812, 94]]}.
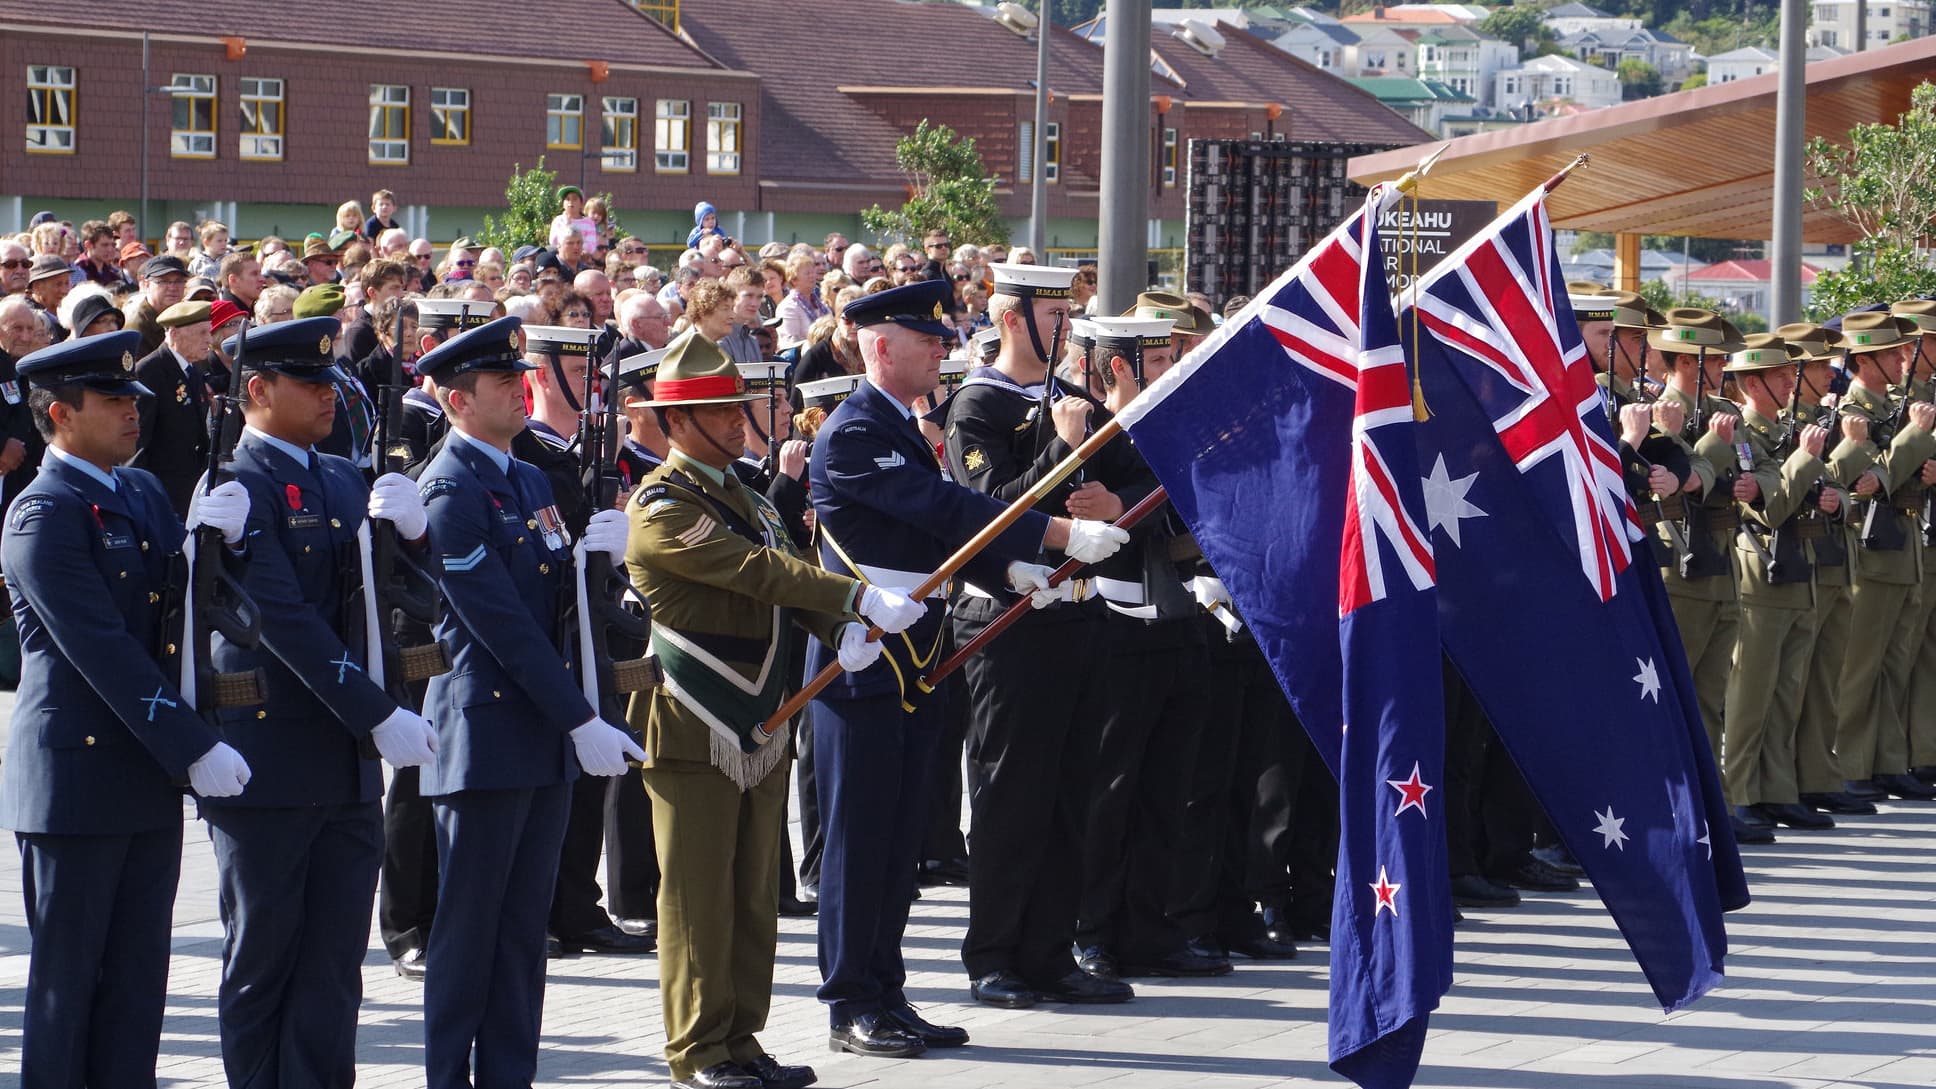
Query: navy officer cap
{"points": [[300, 349], [104, 363], [491, 347], [917, 306]]}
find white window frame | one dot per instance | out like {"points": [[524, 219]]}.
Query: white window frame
{"points": [[725, 125], [390, 149], [672, 136], [253, 141], [1052, 151], [446, 103], [619, 151], [54, 83], [562, 110], [192, 143]]}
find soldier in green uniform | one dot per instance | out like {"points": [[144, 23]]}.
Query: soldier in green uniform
{"points": [[1776, 585], [1694, 345], [727, 589], [1919, 710], [1818, 775], [1870, 741]]}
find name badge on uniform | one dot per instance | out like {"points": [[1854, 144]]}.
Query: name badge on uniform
{"points": [[305, 521], [552, 526], [117, 540], [10, 391]]}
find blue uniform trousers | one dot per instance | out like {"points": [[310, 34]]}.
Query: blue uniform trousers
{"points": [[874, 767], [296, 886], [497, 853], [99, 909]]}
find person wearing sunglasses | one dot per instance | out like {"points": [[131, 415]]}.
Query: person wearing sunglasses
{"points": [[15, 262]]}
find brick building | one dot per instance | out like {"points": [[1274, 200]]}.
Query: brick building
{"points": [[763, 107]]}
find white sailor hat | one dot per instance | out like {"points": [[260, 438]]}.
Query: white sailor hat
{"points": [[953, 370], [433, 314], [1041, 281], [983, 346], [562, 339], [1593, 307], [635, 370], [1141, 332], [764, 375], [825, 393], [1082, 332]]}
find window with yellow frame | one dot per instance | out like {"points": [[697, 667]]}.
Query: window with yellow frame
{"points": [[389, 124], [261, 124], [193, 133], [450, 115], [50, 109], [564, 122]]}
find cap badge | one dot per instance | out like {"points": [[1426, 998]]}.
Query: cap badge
{"points": [[322, 346], [937, 311], [127, 361]]}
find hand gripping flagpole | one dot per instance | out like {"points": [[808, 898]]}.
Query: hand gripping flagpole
{"points": [[1143, 508], [982, 539]]}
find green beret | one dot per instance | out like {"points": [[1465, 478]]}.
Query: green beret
{"points": [[320, 301]]}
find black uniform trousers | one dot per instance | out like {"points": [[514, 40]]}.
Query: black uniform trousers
{"points": [[295, 897], [407, 892], [574, 903], [631, 855], [99, 910], [1245, 720], [799, 739], [944, 841], [1035, 724], [1154, 702], [875, 763], [484, 981]]}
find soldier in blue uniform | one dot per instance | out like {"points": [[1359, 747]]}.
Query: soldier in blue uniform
{"points": [[513, 731], [297, 851], [101, 737], [887, 517]]}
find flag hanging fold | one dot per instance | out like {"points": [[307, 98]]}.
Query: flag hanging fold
{"points": [[1286, 445], [1550, 605]]}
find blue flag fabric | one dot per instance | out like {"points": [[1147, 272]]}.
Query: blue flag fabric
{"points": [[1550, 605], [1286, 445]]}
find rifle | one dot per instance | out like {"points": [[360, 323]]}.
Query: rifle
{"points": [[601, 612], [398, 594], [1698, 557], [1787, 560], [216, 600]]}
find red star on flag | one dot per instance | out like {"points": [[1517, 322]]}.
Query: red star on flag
{"points": [[1411, 792], [1387, 892]]}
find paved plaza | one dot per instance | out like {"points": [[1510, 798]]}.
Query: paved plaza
{"points": [[1829, 983]]}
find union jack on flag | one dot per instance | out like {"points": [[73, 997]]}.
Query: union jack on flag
{"points": [[1501, 301]]}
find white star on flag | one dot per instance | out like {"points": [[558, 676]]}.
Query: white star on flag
{"points": [[1445, 501], [1648, 679], [1609, 829], [1386, 891]]}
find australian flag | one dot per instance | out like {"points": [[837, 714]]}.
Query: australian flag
{"points": [[1286, 444], [1551, 607]]}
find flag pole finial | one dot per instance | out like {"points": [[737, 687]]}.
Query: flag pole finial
{"points": [[1554, 181], [1408, 183]]}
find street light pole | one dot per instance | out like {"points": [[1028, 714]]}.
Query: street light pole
{"points": [[1039, 186], [1122, 235]]}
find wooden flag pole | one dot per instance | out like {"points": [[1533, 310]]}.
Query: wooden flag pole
{"points": [[982, 539]]}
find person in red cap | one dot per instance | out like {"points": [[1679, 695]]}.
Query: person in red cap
{"points": [[224, 321]]}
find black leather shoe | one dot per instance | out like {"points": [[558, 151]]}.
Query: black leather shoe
{"points": [[1750, 833], [1794, 815], [554, 949], [608, 940], [1536, 876], [1863, 790], [721, 1076], [1470, 890], [1752, 816], [874, 1034], [1262, 947], [795, 908], [774, 1076], [944, 871], [1210, 951], [1004, 989], [1557, 857], [1099, 961], [1083, 989], [1182, 964], [1903, 785], [641, 927], [1840, 803], [1926, 773], [411, 964], [929, 1033]]}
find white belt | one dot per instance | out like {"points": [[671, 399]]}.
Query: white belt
{"points": [[1126, 598], [1066, 590], [1215, 599], [889, 579]]}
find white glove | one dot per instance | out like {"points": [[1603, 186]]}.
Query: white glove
{"points": [[225, 508], [1033, 579], [394, 498], [1093, 542], [606, 532], [890, 610], [220, 773], [603, 747], [405, 739], [856, 653], [1210, 593]]}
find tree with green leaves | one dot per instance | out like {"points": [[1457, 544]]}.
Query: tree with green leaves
{"points": [[1882, 182], [1663, 298], [950, 190], [530, 204], [1638, 79], [1521, 25]]}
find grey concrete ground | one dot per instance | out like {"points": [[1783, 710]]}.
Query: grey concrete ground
{"points": [[1829, 983]]}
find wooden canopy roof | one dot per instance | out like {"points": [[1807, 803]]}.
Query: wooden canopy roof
{"points": [[1697, 162]]}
